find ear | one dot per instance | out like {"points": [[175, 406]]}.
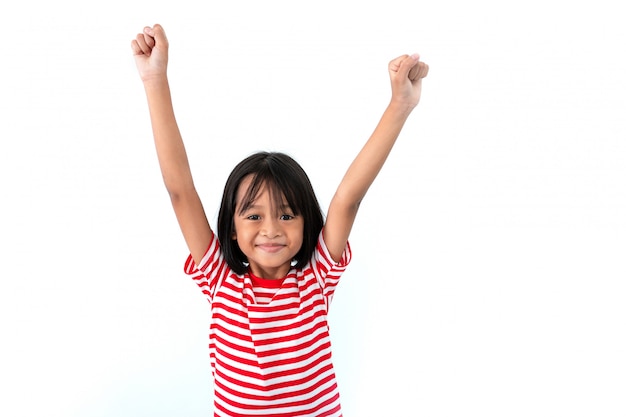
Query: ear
{"points": [[233, 236]]}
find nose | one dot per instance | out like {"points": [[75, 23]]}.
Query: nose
{"points": [[270, 228]]}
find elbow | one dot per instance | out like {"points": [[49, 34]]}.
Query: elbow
{"points": [[175, 195], [346, 203], [177, 190]]}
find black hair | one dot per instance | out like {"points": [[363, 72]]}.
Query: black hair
{"points": [[284, 178]]}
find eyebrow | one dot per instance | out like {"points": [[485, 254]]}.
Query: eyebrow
{"points": [[282, 207]]}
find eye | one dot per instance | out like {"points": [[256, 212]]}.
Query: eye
{"points": [[253, 217], [286, 217]]}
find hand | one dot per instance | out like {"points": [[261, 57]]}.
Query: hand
{"points": [[150, 50], [406, 73]]}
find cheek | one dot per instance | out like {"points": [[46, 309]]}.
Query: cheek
{"points": [[300, 232]]}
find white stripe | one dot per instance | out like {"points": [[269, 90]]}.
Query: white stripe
{"points": [[284, 409], [288, 388]]}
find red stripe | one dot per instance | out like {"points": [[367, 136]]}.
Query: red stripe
{"points": [[261, 320], [287, 338], [219, 317], [219, 341], [295, 358], [273, 404], [264, 378]]}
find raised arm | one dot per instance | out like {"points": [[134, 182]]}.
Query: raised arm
{"points": [[406, 73], [150, 49]]}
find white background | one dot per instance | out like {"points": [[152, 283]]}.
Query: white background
{"points": [[488, 274]]}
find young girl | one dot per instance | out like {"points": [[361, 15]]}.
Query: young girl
{"points": [[272, 268]]}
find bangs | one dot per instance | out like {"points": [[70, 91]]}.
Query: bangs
{"points": [[281, 190]]}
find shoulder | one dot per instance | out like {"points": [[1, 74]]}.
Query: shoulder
{"points": [[212, 257], [322, 264], [322, 253]]}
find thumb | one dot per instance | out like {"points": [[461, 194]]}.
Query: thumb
{"points": [[158, 34], [419, 70], [401, 66]]}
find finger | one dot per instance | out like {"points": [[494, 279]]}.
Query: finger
{"points": [[394, 64], [148, 38], [404, 65], [413, 72], [142, 43], [419, 70], [424, 70], [135, 47], [158, 34]]}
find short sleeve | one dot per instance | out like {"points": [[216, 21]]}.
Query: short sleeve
{"points": [[211, 270], [326, 270]]}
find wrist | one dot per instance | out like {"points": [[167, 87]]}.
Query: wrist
{"points": [[155, 81], [402, 108]]}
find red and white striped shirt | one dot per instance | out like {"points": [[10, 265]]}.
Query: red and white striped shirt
{"points": [[269, 345]]}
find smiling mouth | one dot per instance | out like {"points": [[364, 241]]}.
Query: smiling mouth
{"points": [[270, 247]]}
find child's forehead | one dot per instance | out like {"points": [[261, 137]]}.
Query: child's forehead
{"points": [[260, 186], [250, 191], [244, 185]]}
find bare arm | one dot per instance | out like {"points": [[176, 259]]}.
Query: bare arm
{"points": [[406, 73], [150, 49]]}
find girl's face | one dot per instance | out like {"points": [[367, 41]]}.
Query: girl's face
{"points": [[269, 236]]}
